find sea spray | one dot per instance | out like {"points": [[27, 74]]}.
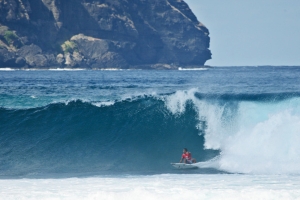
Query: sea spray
{"points": [[259, 136]]}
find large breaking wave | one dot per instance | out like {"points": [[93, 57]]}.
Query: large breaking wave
{"points": [[256, 133]]}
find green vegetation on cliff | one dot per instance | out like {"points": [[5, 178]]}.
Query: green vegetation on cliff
{"points": [[69, 47], [10, 36]]}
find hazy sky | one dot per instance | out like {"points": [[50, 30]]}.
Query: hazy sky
{"points": [[251, 32]]}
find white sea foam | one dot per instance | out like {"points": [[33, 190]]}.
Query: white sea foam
{"points": [[176, 102], [37, 69], [192, 69], [253, 137], [110, 69], [266, 141], [66, 69], [127, 97], [104, 103], [7, 69], [219, 186], [33, 69]]}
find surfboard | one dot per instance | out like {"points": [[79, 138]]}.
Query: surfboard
{"points": [[183, 166]]}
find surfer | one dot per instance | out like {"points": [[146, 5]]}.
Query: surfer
{"points": [[187, 157]]}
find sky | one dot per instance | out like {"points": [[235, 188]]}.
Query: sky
{"points": [[251, 32]]}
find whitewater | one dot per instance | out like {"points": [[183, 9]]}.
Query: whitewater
{"points": [[83, 134]]}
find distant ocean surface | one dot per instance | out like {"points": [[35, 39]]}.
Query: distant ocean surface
{"points": [[82, 134]]}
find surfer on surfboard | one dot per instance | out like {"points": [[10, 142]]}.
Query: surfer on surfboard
{"points": [[187, 157]]}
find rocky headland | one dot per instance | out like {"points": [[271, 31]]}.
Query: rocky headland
{"points": [[95, 34]]}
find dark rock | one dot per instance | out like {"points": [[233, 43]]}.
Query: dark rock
{"points": [[29, 50], [33, 56], [20, 61], [112, 60], [60, 59], [51, 60], [7, 58], [37, 61], [108, 33], [99, 53]]}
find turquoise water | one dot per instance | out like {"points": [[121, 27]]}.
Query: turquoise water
{"points": [[89, 123]]}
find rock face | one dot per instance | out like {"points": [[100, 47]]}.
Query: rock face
{"points": [[101, 34]]}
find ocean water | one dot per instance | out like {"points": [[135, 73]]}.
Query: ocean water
{"points": [[82, 134]]}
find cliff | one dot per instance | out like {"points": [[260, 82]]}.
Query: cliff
{"points": [[101, 34]]}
